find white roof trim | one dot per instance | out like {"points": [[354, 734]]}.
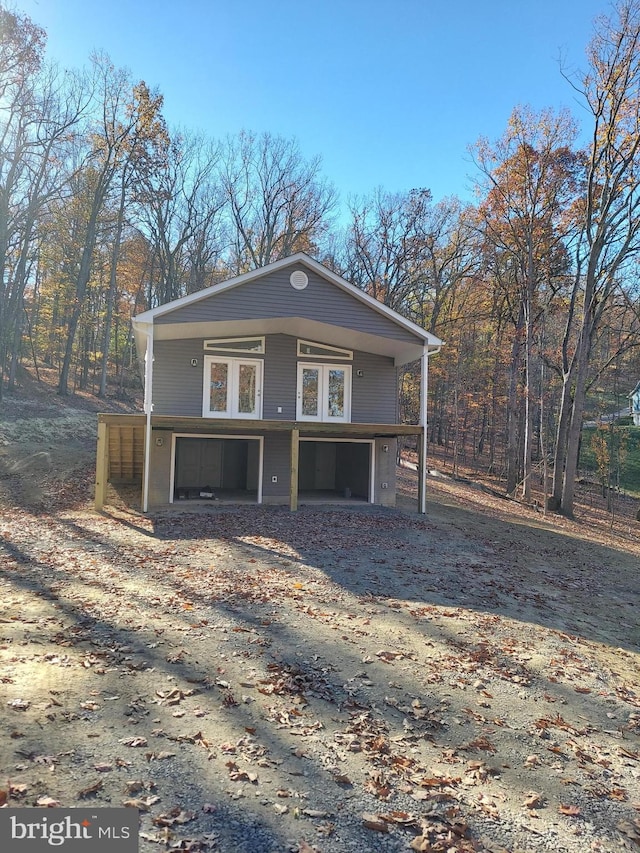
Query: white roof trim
{"points": [[431, 341]]}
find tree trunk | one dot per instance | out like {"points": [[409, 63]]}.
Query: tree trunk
{"points": [[575, 426], [512, 408], [81, 291], [115, 255], [527, 451]]}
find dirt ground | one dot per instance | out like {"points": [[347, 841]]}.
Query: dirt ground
{"points": [[333, 680]]}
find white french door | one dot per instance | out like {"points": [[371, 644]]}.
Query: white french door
{"points": [[324, 392], [232, 388]]}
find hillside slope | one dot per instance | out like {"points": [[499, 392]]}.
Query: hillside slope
{"points": [[48, 444]]}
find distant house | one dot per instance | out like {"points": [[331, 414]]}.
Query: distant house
{"points": [[634, 404], [277, 386]]}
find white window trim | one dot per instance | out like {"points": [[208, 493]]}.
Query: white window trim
{"points": [[336, 353], [210, 345], [323, 370], [232, 388], [372, 457], [177, 435]]}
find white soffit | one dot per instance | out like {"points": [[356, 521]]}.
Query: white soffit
{"points": [[401, 351]]}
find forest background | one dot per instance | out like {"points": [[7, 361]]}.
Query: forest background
{"points": [[106, 211]]}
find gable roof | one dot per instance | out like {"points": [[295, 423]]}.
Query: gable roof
{"points": [[185, 317]]}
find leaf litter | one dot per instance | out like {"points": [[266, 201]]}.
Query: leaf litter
{"points": [[371, 679]]}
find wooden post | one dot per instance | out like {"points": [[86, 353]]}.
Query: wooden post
{"points": [[102, 465], [295, 453]]}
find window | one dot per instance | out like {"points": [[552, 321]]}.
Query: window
{"points": [[245, 345], [324, 392], [232, 388], [308, 348]]}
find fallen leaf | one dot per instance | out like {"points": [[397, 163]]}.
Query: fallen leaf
{"points": [[47, 803], [174, 816], [630, 829], [400, 818], [143, 804], [420, 795], [375, 822], [388, 657], [482, 743], [533, 801], [618, 794], [134, 741], [133, 786], [569, 810], [90, 790], [625, 753]]}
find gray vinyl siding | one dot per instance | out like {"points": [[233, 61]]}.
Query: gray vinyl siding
{"points": [[280, 377], [373, 397], [177, 385], [272, 296], [160, 468], [277, 462], [374, 394]]}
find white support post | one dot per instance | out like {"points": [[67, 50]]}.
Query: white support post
{"points": [[148, 408], [422, 456]]}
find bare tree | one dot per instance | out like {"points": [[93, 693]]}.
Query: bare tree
{"points": [[38, 110], [384, 251], [277, 202], [180, 208], [138, 153], [103, 147], [609, 220]]}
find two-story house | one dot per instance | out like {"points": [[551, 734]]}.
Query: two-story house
{"points": [[277, 386]]}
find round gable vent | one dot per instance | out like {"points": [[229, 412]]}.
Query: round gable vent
{"points": [[299, 280]]}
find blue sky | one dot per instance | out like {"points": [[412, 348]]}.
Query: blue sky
{"points": [[388, 92]]}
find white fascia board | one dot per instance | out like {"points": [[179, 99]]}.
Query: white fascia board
{"points": [[431, 341]]}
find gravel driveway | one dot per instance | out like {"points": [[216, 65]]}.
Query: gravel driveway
{"points": [[333, 680]]}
